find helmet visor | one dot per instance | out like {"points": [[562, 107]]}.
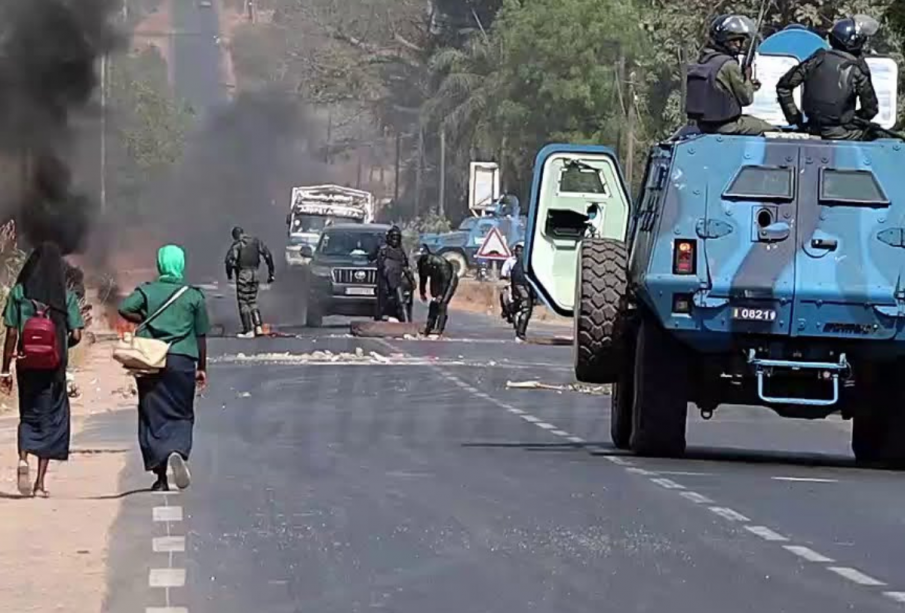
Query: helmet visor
{"points": [[865, 25]]}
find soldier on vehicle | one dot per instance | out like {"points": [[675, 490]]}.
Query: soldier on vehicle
{"points": [[394, 278], [717, 90], [243, 259], [443, 283], [522, 294], [833, 81]]}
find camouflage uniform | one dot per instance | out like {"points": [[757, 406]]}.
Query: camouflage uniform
{"points": [[243, 259]]}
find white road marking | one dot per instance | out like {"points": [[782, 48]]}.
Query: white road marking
{"points": [[167, 513], [855, 576], [166, 610], [765, 533], [560, 433], [617, 460], [545, 425], [168, 544], [576, 439], [530, 418], [696, 498], [684, 473], [668, 484], [897, 596], [515, 411], [805, 479], [808, 554], [166, 577], [729, 514], [641, 471]]}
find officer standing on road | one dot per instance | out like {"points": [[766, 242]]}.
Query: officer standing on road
{"points": [[394, 276], [833, 81], [522, 294], [717, 90], [443, 283], [506, 300], [243, 259]]}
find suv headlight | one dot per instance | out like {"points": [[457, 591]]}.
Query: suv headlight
{"points": [[320, 271]]}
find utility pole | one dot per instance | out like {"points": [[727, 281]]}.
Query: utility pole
{"points": [[442, 170], [419, 169], [103, 134], [630, 125], [398, 160]]}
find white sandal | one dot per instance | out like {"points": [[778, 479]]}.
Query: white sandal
{"points": [[24, 478]]}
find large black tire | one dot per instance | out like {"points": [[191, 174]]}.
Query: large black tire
{"points": [[660, 409], [878, 431], [600, 289], [623, 399], [458, 261]]}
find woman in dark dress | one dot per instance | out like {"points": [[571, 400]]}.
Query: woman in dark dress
{"points": [[43, 402], [166, 401]]}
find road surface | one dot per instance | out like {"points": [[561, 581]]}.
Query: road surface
{"points": [[424, 484]]}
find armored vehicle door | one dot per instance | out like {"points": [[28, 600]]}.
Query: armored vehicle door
{"points": [[851, 241], [569, 181], [748, 235]]}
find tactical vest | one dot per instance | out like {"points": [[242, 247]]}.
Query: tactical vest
{"points": [[706, 101], [829, 94], [249, 254]]}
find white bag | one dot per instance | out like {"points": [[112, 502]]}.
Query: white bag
{"points": [[145, 356]]}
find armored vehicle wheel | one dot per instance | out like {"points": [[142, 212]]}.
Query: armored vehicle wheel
{"points": [[599, 309], [458, 261], [660, 408], [878, 431], [623, 398]]}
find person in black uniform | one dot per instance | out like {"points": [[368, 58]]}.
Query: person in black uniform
{"points": [[522, 294], [394, 279], [243, 259], [443, 284], [716, 87], [833, 81]]}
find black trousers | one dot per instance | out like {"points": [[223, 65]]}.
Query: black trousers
{"points": [[438, 312]]}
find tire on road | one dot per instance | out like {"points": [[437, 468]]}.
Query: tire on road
{"points": [[878, 428], [460, 264], [623, 398], [314, 316], [660, 408], [600, 291]]}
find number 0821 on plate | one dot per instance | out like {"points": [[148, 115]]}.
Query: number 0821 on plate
{"points": [[753, 314]]}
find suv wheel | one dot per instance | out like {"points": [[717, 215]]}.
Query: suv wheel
{"points": [[600, 290], [314, 318], [660, 407]]}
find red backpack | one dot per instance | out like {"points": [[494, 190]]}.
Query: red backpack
{"points": [[39, 347]]}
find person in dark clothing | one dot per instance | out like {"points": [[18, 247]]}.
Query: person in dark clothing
{"points": [[834, 80], [443, 283], [166, 400], [716, 87], [44, 428], [395, 280], [243, 259], [522, 294]]}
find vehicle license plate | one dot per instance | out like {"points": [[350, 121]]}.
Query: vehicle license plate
{"points": [[359, 291], [753, 314]]}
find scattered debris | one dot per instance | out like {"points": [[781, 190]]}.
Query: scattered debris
{"points": [[595, 390], [243, 395]]}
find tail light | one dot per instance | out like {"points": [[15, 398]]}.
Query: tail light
{"points": [[684, 261]]}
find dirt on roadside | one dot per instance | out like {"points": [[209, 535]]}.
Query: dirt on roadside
{"points": [[477, 297], [56, 549]]}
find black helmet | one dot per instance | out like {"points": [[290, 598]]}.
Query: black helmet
{"points": [[726, 28], [237, 233], [425, 250], [851, 34], [394, 236]]}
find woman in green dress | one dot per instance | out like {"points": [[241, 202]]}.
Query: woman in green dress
{"points": [[166, 401], [44, 429]]}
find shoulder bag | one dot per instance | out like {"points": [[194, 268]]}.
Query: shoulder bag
{"points": [[145, 356]]}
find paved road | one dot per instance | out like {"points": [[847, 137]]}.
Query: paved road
{"points": [[433, 487]]}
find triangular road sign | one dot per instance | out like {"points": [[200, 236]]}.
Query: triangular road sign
{"points": [[494, 247]]}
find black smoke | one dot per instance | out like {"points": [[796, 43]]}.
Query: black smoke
{"points": [[49, 52]]}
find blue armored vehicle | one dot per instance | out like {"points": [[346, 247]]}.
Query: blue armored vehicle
{"points": [[756, 270]]}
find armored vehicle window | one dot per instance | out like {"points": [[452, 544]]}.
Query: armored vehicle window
{"points": [[581, 180], [761, 183], [850, 186]]}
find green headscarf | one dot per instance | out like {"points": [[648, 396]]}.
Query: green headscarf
{"points": [[170, 263]]}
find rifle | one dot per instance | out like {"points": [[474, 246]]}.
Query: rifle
{"points": [[869, 125], [752, 48]]}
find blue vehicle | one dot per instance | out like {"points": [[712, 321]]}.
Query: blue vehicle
{"points": [[749, 270], [460, 246]]}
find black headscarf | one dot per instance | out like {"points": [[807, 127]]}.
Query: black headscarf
{"points": [[43, 279]]}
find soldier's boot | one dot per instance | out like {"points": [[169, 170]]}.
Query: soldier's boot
{"points": [[256, 320], [521, 326], [247, 331]]}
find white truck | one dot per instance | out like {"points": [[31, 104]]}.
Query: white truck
{"points": [[314, 207]]}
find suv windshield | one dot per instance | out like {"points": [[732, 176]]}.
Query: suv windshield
{"points": [[338, 244]]}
